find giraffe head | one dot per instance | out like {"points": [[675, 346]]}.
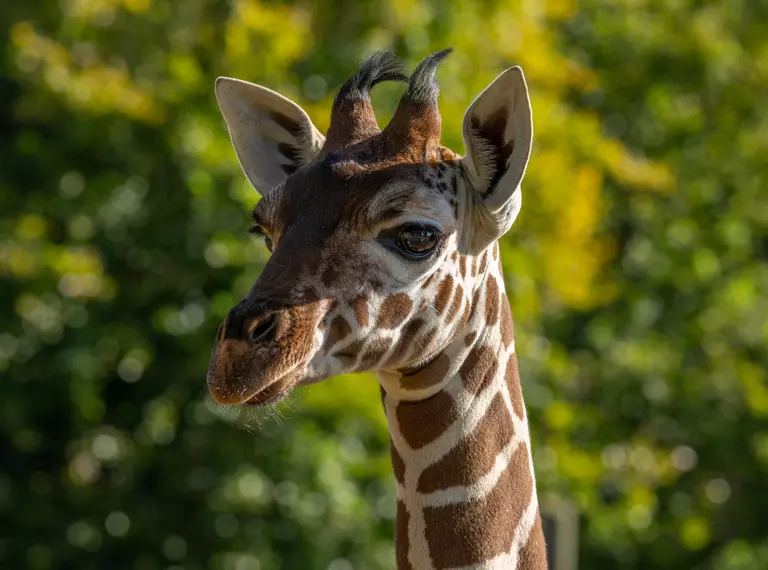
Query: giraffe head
{"points": [[378, 237]]}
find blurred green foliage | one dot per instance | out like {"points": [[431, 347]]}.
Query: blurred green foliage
{"points": [[637, 273]]}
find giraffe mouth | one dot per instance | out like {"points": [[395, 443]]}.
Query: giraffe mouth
{"points": [[281, 388], [266, 397], [272, 393]]}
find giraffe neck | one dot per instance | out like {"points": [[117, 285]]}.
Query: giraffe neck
{"points": [[462, 459]]}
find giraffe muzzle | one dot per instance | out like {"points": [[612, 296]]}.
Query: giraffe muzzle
{"points": [[259, 356]]}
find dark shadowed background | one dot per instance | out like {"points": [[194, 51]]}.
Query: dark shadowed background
{"points": [[637, 274]]}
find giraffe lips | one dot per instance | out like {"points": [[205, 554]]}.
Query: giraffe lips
{"points": [[264, 399], [271, 394], [280, 389]]}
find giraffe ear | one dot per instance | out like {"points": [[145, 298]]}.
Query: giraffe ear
{"points": [[271, 134], [498, 133]]}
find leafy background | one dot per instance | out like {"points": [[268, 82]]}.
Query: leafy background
{"points": [[637, 274]]}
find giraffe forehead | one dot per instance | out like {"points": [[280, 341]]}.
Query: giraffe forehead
{"points": [[360, 201]]}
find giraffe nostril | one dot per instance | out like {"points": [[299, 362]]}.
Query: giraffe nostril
{"points": [[262, 327]]}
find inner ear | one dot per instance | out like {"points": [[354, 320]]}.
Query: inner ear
{"points": [[272, 135], [493, 145], [498, 134]]}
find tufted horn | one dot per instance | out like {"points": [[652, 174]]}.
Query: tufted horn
{"points": [[352, 116], [416, 124]]}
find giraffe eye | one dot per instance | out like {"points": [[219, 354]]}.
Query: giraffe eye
{"points": [[259, 232], [417, 241]]}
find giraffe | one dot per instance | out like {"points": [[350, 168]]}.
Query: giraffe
{"points": [[384, 257]]}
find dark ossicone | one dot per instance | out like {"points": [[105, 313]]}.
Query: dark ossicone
{"points": [[422, 86], [416, 126], [352, 116]]}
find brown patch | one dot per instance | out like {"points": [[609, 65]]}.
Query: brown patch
{"points": [[533, 555], [350, 351], [422, 345], [479, 368], [407, 337], [422, 422], [425, 342], [401, 538], [507, 327], [455, 305], [360, 306], [491, 301], [340, 329], [469, 533], [394, 310], [474, 266], [464, 318], [495, 250], [470, 338], [398, 465], [444, 294], [483, 262], [463, 266], [454, 255], [428, 375], [512, 376], [428, 281], [475, 454], [374, 351], [331, 276]]}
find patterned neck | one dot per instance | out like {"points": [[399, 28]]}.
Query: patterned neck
{"points": [[462, 460]]}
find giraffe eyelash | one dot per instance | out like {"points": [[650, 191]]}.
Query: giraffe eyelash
{"points": [[257, 232]]}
